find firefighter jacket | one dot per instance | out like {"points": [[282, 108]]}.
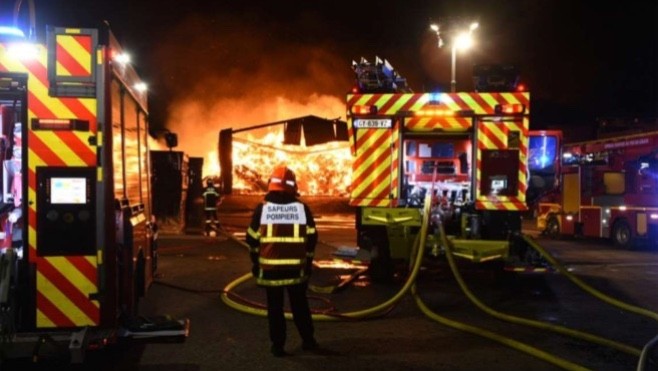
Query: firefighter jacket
{"points": [[282, 239], [211, 198]]}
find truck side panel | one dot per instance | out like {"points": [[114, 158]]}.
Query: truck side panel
{"points": [[56, 136]]}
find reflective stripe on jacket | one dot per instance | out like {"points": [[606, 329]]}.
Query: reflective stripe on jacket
{"points": [[279, 243], [210, 198]]}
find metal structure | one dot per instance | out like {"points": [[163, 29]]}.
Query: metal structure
{"points": [[379, 77], [609, 189], [78, 231]]}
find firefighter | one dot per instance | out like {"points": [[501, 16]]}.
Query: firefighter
{"points": [[282, 239], [211, 199]]}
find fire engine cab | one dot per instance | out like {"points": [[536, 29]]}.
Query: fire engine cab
{"points": [[469, 150], [608, 188], [77, 240]]}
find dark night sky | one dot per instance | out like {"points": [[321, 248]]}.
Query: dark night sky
{"points": [[584, 58]]}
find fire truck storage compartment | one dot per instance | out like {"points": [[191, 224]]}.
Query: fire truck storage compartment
{"points": [[66, 211], [500, 169], [438, 162]]}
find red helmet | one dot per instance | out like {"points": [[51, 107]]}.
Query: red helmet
{"points": [[282, 179]]}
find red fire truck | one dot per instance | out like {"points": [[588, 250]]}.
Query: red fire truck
{"points": [[469, 149], [77, 233], [609, 189]]}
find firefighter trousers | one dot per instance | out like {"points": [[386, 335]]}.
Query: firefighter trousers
{"points": [[212, 222], [301, 313]]}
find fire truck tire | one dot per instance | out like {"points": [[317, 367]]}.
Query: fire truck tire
{"points": [[552, 228], [622, 235]]}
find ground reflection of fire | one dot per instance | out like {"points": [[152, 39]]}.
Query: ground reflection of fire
{"points": [[322, 170]]}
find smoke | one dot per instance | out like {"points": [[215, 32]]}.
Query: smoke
{"points": [[234, 72], [198, 124]]}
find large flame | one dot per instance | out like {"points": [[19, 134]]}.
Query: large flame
{"points": [[253, 76], [321, 169]]}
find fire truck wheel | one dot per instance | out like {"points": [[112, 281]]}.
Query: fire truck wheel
{"points": [[622, 236], [552, 227]]}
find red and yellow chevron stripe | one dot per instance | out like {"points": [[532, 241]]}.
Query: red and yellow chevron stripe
{"points": [[74, 56], [63, 283], [494, 136], [478, 103], [375, 169]]}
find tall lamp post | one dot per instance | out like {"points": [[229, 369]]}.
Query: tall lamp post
{"points": [[461, 40]]}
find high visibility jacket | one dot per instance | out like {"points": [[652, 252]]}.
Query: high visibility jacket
{"points": [[210, 198], [282, 238]]}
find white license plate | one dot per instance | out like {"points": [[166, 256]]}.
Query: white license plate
{"points": [[373, 123]]}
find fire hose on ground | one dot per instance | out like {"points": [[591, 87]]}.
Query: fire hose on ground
{"points": [[410, 286]]}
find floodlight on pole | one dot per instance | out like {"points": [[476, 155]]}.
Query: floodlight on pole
{"points": [[460, 41]]}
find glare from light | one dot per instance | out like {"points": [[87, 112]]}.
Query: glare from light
{"points": [[654, 216], [23, 51], [141, 87], [123, 58], [12, 31], [463, 41], [473, 26], [434, 27], [622, 208], [569, 217]]}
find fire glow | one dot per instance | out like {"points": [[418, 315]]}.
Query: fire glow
{"points": [[322, 170]]}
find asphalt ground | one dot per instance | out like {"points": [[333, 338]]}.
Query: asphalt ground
{"points": [[194, 270]]}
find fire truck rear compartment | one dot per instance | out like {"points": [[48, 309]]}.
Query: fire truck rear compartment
{"points": [[441, 164]]}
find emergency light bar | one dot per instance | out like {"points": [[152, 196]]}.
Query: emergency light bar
{"points": [[364, 110], [444, 112], [60, 124], [12, 31], [435, 112], [509, 109]]}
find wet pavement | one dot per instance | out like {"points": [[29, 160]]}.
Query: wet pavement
{"points": [[193, 271]]}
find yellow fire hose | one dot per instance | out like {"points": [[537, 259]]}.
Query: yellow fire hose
{"points": [[601, 296], [419, 249], [537, 353], [589, 289], [365, 313], [525, 321]]}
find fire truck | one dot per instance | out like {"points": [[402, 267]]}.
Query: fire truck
{"points": [[469, 150], [77, 236], [608, 189]]}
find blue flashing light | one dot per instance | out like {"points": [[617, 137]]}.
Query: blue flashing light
{"points": [[11, 31], [542, 152], [437, 98]]}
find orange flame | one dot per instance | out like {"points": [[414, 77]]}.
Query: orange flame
{"points": [[321, 169]]}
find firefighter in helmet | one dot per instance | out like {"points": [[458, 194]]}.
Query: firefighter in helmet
{"points": [[282, 239], [211, 199]]}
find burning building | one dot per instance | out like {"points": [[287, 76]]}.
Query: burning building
{"points": [[315, 148]]}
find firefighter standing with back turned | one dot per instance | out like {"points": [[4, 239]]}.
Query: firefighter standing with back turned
{"points": [[211, 199], [282, 239]]}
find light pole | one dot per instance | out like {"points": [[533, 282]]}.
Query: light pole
{"points": [[461, 40]]}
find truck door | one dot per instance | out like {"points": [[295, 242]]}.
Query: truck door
{"points": [[375, 171], [501, 163]]}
